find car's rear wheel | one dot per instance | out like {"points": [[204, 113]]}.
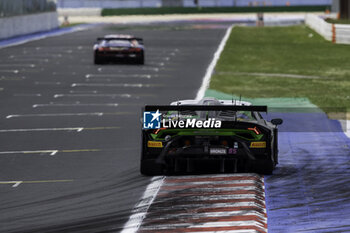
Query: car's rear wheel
{"points": [[264, 167], [149, 167], [98, 60], [141, 60]]}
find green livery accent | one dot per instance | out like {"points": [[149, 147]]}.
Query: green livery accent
{"points": [[206, 132]]}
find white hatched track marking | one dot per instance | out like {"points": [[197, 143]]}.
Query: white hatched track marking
{"points": [[217, 203]]}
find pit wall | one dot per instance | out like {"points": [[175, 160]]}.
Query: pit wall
{"points": [[337, 33], [27, 24]]}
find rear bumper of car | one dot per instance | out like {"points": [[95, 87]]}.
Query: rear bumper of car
{"points": [[119, 55], [203, 159]]}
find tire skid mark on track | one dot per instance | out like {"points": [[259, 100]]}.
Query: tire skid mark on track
{"points": [[99, 114], [122, 85], [227, 203], [127, 96]]}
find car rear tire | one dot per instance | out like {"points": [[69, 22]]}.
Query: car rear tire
{"points": [[97, 60], [141, 60], [264, 167], [149, 167]]}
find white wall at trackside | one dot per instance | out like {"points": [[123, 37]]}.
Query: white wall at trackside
{"points": [[27, 24], [339, 33], [185, 3]]}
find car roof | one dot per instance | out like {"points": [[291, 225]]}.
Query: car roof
{"points": [[211, 101], [118, 36]]}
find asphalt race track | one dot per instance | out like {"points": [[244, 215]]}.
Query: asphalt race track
{"points": [[70, 130]]}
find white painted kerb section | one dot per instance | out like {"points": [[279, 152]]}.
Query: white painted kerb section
{"points": [[341, 31]]}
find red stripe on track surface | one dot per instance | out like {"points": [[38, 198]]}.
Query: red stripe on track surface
{"points": [[177, 187], [208, 229], [204, 179], [186, 204], [206, 202], [206, 219]]}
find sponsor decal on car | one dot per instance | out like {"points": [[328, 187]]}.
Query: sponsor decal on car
{"points": [[154, 144], [192, 123], [153, 120], [232, 151], [217, 151], [258, 144]]}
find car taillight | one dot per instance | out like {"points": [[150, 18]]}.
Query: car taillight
{"points": [[187, 143], [135, 49], [256, 130], [103, 49], [224, 143], [158, 130]]}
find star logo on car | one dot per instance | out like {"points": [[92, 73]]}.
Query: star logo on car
{"points": [[156, 115]]}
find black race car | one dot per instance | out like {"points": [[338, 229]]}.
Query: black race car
{"points": [[208, 136], [122, 48]]}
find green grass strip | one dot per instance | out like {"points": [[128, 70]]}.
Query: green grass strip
{"points": [[206, 10], [293, 62], [338, 21]]}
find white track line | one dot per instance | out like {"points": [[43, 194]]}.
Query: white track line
{"points": [[147, 76], [9, 71], [75, 105], [15, 65], [210, 69], [16, 184], [47, 83], [78, 129], [27, 95], [148, 196], [347, 132], [95, 95], [99, 114], [137, 85], [56, 115], [51, 152]]}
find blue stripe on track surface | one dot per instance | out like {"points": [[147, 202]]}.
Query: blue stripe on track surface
{"points": [[310, 188]]}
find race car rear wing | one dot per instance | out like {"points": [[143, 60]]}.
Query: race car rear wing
{"points": [[140, 40], [255, 108]]}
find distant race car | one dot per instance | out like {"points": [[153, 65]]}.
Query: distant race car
{"points": [[208, 136], [123, 48]]}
